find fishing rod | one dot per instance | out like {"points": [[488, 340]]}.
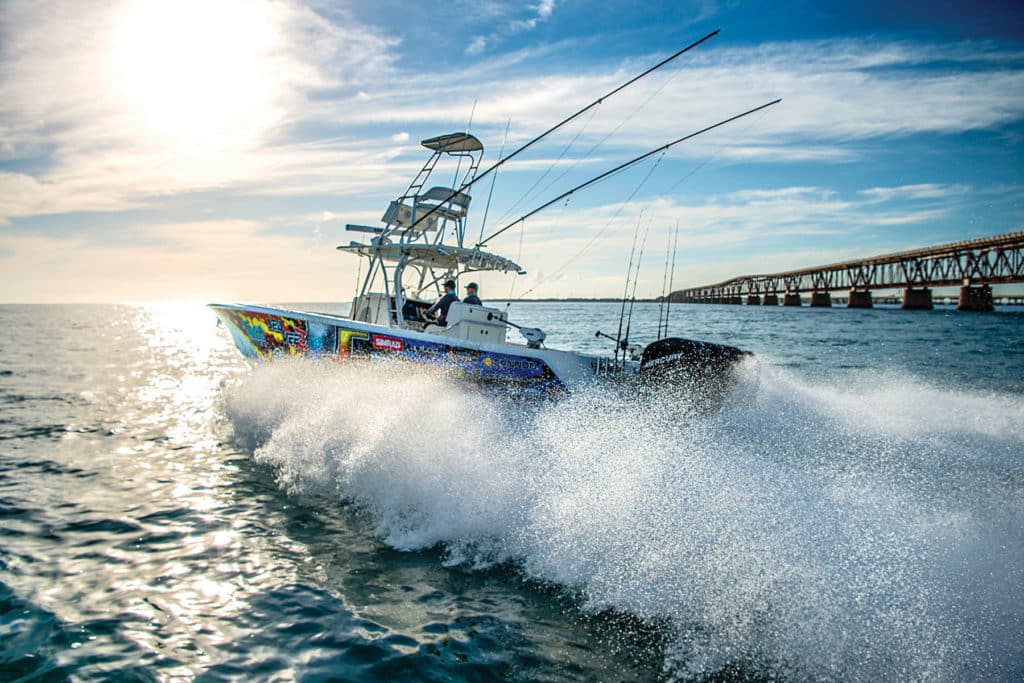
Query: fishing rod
{"points": [[636, 279], [667, 280], [623, 166], [625, 292], [671, 278], [664, 284], [549, 131]]}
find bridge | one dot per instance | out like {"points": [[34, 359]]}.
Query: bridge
{"points": [[974, 266]]}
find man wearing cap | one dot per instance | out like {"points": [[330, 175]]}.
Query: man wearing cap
{"points": [[443, 304], [471, 297]]}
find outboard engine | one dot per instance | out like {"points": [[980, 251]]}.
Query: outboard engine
{"points": [[700, 367]]}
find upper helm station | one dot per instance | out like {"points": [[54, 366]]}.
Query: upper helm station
{"points": [[422, 241]]}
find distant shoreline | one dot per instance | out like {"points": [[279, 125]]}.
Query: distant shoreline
{"points": [[580, 300], [836, 302]]}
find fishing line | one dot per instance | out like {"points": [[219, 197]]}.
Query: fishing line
{"points": [[672, 280], [713, 155], [519, 257], [628, 200], [603, 230], [625, 289], [565, 151], [632, 162], [494, 179], [481, 176], [614, 130], [624, 341], [458, 167], [664, 281], [594, 147], [469, 130]]}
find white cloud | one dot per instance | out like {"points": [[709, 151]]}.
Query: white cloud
{"points": [[540, 12], [108, 92], [730, 226], [918, 191], [572, 251], [327, 95], [837, 96], [310, 73], [209, 260], [476, 46]]}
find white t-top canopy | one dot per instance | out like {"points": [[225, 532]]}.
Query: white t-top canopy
{"points": [[435, 256]]}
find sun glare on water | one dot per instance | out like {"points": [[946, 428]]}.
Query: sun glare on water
{"points": [[197, 74]]}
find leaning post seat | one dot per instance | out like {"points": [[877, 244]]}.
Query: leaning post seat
{"points": [[476, 323]]}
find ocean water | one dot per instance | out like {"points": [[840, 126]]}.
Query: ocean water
{"points": [[854, 512]]}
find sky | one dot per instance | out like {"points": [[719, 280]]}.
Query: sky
{"points": [[213, 150]]}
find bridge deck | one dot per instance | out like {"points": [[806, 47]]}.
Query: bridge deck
{"points": [[986, 261]]}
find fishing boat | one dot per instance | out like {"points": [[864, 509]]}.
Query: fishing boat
{"points": [[422, 246]]}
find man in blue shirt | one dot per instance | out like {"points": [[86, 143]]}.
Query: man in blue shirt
{"points": [[471, 297], [443, 304]]}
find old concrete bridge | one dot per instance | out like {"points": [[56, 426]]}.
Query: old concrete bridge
{"points": [[974, 266]]}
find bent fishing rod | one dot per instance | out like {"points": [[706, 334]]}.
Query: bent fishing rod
{"points": [[549, 131], [623, 166]]}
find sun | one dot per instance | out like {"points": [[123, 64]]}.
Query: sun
{"points": [[197, 74]]}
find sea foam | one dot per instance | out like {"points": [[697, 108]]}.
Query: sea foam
{"points": [[865, 529]]}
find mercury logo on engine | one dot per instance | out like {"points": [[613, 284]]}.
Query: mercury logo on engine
{"points": [[387, 343]]}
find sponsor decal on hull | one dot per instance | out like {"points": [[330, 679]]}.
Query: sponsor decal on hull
{"points": [[383, 343], [270, 334]]}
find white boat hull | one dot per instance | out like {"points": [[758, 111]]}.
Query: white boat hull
{"points": [[264, 333]]}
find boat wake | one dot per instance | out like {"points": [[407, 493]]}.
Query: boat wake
{"points": [[802, 531]]}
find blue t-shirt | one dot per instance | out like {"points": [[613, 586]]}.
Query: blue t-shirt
{"points": [[473, 299]]}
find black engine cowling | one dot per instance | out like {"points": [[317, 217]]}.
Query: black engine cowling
{"points": [[684, 361]]}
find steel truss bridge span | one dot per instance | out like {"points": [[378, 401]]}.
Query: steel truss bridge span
{"points": [[981, 262]]}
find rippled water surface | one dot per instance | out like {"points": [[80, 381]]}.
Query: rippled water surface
{"points": [[855, 511]]}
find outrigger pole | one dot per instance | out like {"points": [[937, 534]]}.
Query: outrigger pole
{"points": [[623, 166], [555, 127]]}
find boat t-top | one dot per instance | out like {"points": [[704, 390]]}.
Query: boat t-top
{"points": [[420, 246]]}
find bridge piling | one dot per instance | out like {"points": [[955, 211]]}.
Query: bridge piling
{"points": [[792, 299], [859, 298], [821, 300], [975, 299], [917, 299], [771, 299], [753, 300]]}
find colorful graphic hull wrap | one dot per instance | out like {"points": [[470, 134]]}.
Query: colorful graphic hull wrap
{"points": [[265, 335]]}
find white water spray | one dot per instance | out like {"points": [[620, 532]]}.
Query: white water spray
{"points": [[867, 532]]}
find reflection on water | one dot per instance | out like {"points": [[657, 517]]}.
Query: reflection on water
{"points": [[138, 540], [166, 510]]}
